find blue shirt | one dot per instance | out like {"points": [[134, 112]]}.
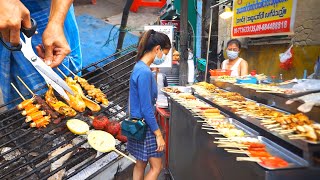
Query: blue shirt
{"points": [[13, 64], [143, 94]]}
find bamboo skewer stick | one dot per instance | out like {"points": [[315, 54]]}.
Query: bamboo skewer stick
{"points": [[238, 152], [61, 72], [68, 69], [25, 85], [215, 133], [15, 88], [227, 149], [248, 159], [124, 155], [211, 129], [272, 126], [199, 121]]}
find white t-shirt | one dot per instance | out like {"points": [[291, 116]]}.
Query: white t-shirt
{"points": [[234, 68]]}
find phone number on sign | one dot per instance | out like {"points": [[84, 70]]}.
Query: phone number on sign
{"points": [[271, 26]]}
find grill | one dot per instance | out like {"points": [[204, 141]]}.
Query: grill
{"points": [[25, 151]]}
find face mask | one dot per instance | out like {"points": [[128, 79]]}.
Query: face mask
{"points": [[158, 61], [232, 54]]}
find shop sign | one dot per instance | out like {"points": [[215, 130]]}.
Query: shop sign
{"points": [[168, 30], [257, 18], [174, 23]]}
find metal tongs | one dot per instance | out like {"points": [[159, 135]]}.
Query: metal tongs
{"points": [[45, 71]]}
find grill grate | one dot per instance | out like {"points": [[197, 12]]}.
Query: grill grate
{"points": [[25, 151]]}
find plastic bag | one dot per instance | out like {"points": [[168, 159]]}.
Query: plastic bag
{"points": [[307, 85]]}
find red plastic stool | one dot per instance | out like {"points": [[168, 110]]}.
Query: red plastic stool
{"points": [[163, 116], [138, 3]]}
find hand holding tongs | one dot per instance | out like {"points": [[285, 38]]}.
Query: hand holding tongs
{"points": [[45, 71]]}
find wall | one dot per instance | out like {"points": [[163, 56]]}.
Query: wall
{"points": [[306, 39]]}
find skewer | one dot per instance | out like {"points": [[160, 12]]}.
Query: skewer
{"points": [[238, 152], [273, 92], [207, 125], [227, 149], [199, 121], [68, 69], [272, 126], [61, 72], [211, 129], [124, 155], [248, 159], [286, 132], [15, 88], [215, 133], [25, 85]]}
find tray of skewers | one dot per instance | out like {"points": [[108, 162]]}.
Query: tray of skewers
{"points": [[263, 151], [240, 139], [281, 123]]}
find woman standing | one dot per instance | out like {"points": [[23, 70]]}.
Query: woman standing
{"points": [[238, 65], [153, 47]]}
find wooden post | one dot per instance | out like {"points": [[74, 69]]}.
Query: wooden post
{"points": [[183, 68]]}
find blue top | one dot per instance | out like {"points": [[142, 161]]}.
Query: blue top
{"points": [[143, 94], [14, 64]]}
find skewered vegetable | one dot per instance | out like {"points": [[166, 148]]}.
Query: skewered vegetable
{"points": [[35, 116], [31, 108], [100, 122], [25, 103], [42, 122]]}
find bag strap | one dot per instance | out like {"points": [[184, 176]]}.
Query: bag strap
{"points": [[129, 95]]}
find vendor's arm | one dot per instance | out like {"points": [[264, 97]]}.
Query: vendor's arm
{"points": [[56, 47], [244, 68]]}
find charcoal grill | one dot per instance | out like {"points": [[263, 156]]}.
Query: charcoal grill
{"points": [[25, 150]]}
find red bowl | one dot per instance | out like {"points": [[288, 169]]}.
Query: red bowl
{"points": [[220, 72]]}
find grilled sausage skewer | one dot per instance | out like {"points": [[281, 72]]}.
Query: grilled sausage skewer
{"points": [[42, 103], [25, 101]]}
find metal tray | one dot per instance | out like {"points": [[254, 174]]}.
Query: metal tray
{"points": [[258, 119], [297, 94], [276, 150]]}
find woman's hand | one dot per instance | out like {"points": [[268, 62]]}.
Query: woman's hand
{"points": [[55, 46], [160, 142]]}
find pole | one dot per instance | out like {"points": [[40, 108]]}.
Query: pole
{"points": [[183, 68], [208, 47], [209, 38], [124, 20]]}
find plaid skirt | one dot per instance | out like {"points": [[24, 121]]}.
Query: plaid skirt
{"points": [[143, 150]]}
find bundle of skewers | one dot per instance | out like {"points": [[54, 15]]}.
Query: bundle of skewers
{"points": [[252, 147], [297, 126], [221, 127], [39, 112]]}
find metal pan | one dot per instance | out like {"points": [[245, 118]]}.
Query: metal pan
{"points": [[276, 150]]}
